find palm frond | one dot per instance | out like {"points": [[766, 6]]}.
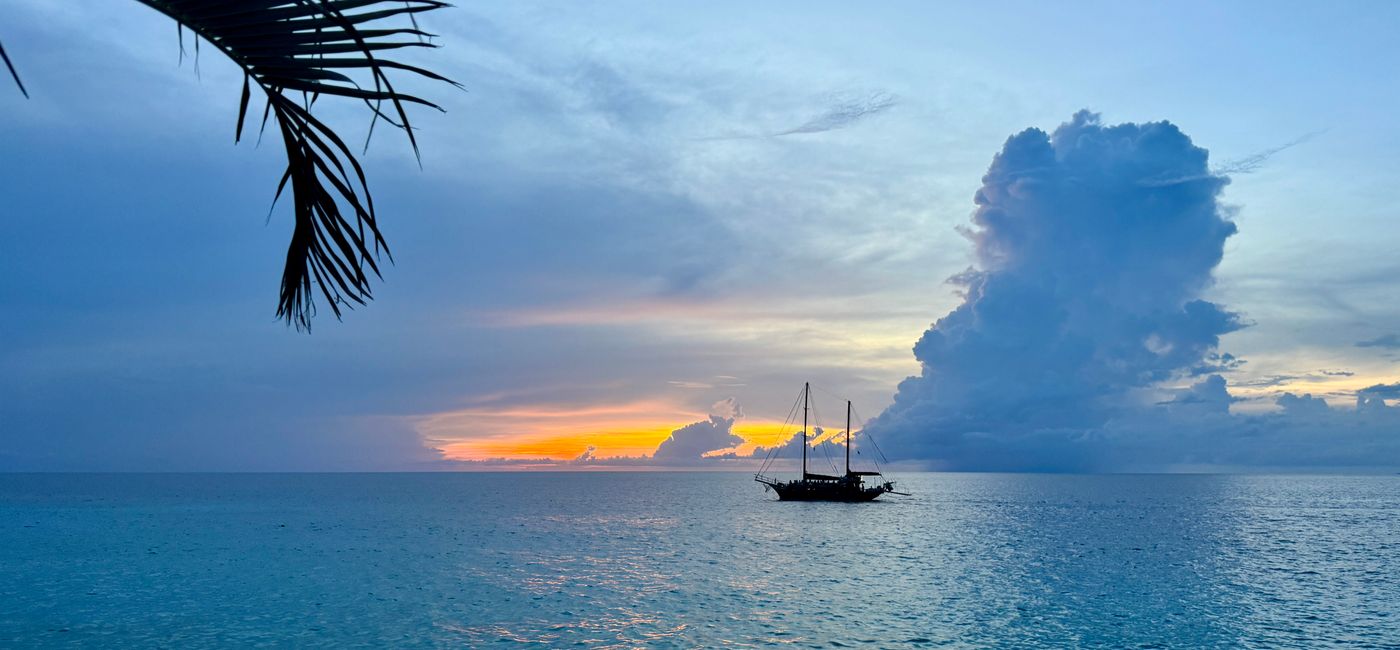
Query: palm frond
{"points": [[13, 74], [296, 51]]}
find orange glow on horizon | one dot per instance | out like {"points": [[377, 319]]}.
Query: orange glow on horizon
{"points": [[761, 433], [562, 432], [608, 442]]}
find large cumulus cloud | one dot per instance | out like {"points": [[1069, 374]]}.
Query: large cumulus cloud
{"points": [[1094, 245], [1087, 286]]}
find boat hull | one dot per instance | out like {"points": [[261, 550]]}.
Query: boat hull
{"points": [[822, 491]]}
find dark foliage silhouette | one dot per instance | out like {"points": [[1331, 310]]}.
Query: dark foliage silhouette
{"points": [[295, 51]]}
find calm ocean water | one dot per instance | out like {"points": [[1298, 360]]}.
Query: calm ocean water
{"points": [[697, 560]]}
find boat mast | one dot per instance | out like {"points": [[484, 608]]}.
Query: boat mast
{"points": [[806, 393], [848, 437]]}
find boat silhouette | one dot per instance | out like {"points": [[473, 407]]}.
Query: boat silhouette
{"points": [[811, 486]]}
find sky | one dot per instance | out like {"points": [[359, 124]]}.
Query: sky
{"points": [[1017, 236]]}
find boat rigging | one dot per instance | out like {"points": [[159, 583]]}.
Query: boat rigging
{"points": [[810, 486]]}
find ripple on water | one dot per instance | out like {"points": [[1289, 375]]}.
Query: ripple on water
{"points": [[697, 560]]}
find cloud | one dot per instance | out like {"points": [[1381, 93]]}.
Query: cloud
{"points": [[1387, 341], [727, 408], [825, 451], [567, 178], [688, 444], [1252, 163], [693, 385], [589, 455], [1379, 392], [1086, 300], [1218, 363], [713, 442], [1269, 381], [844, 112], [841, 110], [1304, 433], [1208, 395], [691, 445], [1247, 165], [1305, 405], [1088, 285]]}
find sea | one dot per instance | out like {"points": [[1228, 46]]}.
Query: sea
{"points": [[696, 560]]}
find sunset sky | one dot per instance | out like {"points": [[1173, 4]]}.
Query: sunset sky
{"points": [[641, 219]]}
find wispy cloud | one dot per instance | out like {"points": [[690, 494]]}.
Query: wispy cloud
{"points": [[1237, 167], [694, 385], [1387, 341], [1254, 162], [844, 113], [841, 110]]}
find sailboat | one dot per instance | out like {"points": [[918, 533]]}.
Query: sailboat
{"points": [[849, 487]]}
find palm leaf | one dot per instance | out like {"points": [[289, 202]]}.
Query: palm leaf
{"points": [[13, 74], [295, 51]]}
